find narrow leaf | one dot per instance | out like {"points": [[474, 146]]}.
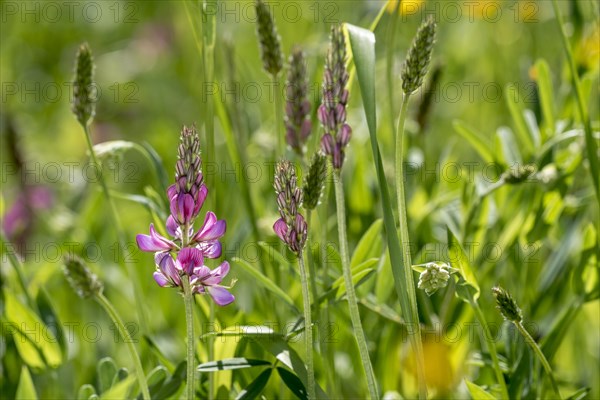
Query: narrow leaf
{"points": [[26, 390], [366, 243], [255, 388], [477, 392], [544, 82], [231, 363], [264, 281], [483, 149], [293, 383], [459, 260]]}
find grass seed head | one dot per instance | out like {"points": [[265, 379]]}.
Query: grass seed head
{"points": [[83, 98], [82, 280], [270, 47], [507, 305], [417, 61]]}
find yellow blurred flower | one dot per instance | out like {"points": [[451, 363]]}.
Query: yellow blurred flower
{"points": [[483, 9], [587, 53], [407, 7]]}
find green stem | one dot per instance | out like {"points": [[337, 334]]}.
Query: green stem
{"points": [[308, 329], [278, 115], [350, 295], [405, 244], [491, 347], [118, 227], [538, 352], [110, 310], [211, 350], [188, 299]]}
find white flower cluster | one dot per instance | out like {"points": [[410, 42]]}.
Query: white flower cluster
{"points": [[435, 276]]}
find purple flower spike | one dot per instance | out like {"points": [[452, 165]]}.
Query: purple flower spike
{"points": [[186, 198], [332, 111], [154, 241]]}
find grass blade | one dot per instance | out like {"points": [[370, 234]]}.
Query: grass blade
{"points": [[362, 43]]}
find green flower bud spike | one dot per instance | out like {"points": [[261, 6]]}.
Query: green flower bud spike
{"points": [[511, 312], [83, 102], [270, 47], [417, 61], [314, 182], [81, 279]]}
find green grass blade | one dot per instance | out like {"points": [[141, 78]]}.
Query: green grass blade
{"points": [[546, 98], [362, 43], [483, 149], [264, 281], [591, 144], [525, 137]]}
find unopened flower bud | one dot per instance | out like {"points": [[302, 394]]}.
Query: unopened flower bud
{"points": [[507, 305]]}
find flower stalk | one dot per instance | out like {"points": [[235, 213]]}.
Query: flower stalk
{"points": [[84, 109], [292, 229], [511, 312], [350, 294], [87, 285], [414, 70]]}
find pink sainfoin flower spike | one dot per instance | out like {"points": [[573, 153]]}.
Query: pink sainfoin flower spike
{"points": [[182, 257], [291, 227], [332, 111]]}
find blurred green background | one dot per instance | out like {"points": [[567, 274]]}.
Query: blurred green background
{"points": [[149, 75]]}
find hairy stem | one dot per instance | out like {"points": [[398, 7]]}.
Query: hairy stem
{"points": [[350, 295], [308, 329], [538, 352], [114, 316], [487, 336], [188, 299], [405, 244]]}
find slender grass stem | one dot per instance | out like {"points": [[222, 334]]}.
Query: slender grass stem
{"points": [[538, 352], [590, 143], [116, 319], [308, 329], [350, 294], [278, 115], [120, 235], [405, 244], [188, 299], [487, 336]]}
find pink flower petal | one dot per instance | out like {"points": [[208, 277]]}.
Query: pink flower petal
{"points": [[211, 229], [172, 226], [154, 242], [280, 228], [220, 295], [210, 249], [161, 279], [217, 275], [188, 259]]}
